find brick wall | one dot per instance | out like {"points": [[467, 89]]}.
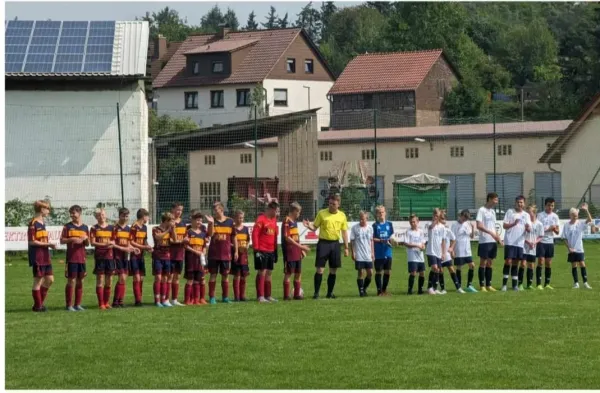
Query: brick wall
{"points": [[429, 95]]}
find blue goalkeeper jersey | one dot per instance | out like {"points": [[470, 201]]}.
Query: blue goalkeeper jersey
{"points": [[383, 231]]}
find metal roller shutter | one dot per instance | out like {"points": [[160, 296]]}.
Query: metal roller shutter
{"points": [[508, 187], [461, 193], [547, 184]]}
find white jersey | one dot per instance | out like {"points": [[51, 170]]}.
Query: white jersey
{"points": [[361, 238], [488, 218], [573, 234], [515, 236], [414, 237], [537, 231], [435, 236], [547, 221], [462, 232], [448, 236]]}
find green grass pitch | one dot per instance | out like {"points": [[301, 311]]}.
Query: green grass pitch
{"points": [[526, 340]]}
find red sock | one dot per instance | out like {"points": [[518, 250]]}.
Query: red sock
{"points": [[211, 288], [37, 298], [236, 288], [121, 293], [116, 294], [225, 288], [187, 293], [202, 290], [69, 295], [260, 289], [106, 295], [258, 286], [286, 289], [100, 296], [164, 291], [268, 288], [174, 290], [196, 292], [136, 291], [140, 287], [44, 292], [156, 289], [243, 288], [78, 294], [297, 288]]}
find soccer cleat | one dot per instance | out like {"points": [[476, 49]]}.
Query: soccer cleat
{"points": [[443, 292], [420, 292], [176, 303], [102, 307], [431, 291], [521, 288], [386, 293], [330, 296], [586, 285], [272, 299], [549, 287], [287, 298], [529, 288], [262, 300], [540, 288], [243, 299], [471, 289], [365, 294], [576, 285], [138, 304], [438, 292], [167, 303], [79, 308], [70, 308], [482, 289], [43, 309], [298, 298], [107, 306], [491, 289], [503, 288], [409, 293], [460, 290], [316, 296], [516, 289], [212, 300], [226, 300], [158, 304]]}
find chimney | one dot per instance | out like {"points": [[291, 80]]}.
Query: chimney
{"points": [[160, 46], [223, 31]]}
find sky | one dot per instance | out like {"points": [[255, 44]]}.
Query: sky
{"points": [[193, 11]]}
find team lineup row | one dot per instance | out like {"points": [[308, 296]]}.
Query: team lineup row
{"points": [[221, 248]]}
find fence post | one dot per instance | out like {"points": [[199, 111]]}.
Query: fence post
{"points": [[494, 151], [120, 156], [255, 161], [375, 150]]}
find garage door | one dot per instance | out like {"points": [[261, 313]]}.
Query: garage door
{"points": [[508, 187], [461, 193], [324, 191], [547, 184]]}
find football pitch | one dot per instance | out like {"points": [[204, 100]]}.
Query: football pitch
{"points": [[526, 340]]}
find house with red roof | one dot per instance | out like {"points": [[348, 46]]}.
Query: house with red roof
{"points": [[404, 89]]}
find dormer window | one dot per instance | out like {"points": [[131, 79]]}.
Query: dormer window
{"points": [[196, 68], [217, 67]]}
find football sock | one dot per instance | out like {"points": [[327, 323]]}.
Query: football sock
{"points": [[470, 276], [430, 280], [69, 295], [520, 274], [137, 291], [203, 290], [258, 286], [455, 280], [488, 276], [107, 294], [574, 273], [548, 275], [116, 294], [378, 282], [225, 288], [361, 285], [267, 287], [514, 273], [584, 273], [529, 276], [421, 283], [43, 293], [211, 288], [459, 276], [481, 274], [243, 288], [386, 281], [156, 289], [174, 290], [164, 291], [318, 279], [297, 286], [100, 296], [286, 289], [367, 282], [121, 292], [330, 283], [411, 283], [236, 288], [538, 275], [78, 293], [196, 292], [505, 272], [187, 293], [441, 280], [37, 298]]}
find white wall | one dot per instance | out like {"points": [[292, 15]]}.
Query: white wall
{"points": [[64, 144]]}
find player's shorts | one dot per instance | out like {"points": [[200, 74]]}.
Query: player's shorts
{"points": [[447, 263], [264, 260], [161, 266], [575, 257], [176, 266], [463, 261], [328, 251], [75, 270], [433, 260], [487, 250], [195, 275], [383, 264], [358, 265], [42, 270], [529, 258], [137, 266], [216, 266], [416, 267], [121, 266], [513, 252], [293, 267], [242, 270], [544, 250], [104, 267]]}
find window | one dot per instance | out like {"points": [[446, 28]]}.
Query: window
{"points": [[412, 152], [441, 88], [505, 150], [195, 68], [210, 192], [368, 154], [308, 66], [326, 156], [281, 97], [191, 100], [216, 99], [217, 67], [243, 97], [209, 160], [246, 158], [290, 66], [457, 151]]}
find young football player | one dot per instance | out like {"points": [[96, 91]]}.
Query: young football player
{"points": [[177, 251], [39, 255], [264, 243], [517, 224], [138, 238], [75, 235], [447, 258], [382, 234], [222, 241], [362, 250], [239, 266], [161, 259], [545, 251], [195, 250], [436, 248], [414, 241], [573, 236], [464, 231], [293, 252], [121, 251], [532, 239], [104, 265], [488, 241]]}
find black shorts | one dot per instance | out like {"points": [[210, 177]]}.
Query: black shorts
{"points": [[328, 251], [161, 267], [545, 251], [242, 270], [487, 250], [264, 260], [75, 270], [463, 261], [137, 266], [513, 252], [529, 258], [433, 260], [121, 266], [293, 267], [416, 267], [383, 264], [194, 275], [575, 257], [105, 267], [215, 266], [363, 265], [42, 270], [176, 267], [447, 263]]}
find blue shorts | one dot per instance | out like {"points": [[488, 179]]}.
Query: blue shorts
{"points": [[75, 270], [161, 266], [529, 258], [447, 263], [104, 266], [358, 265], [575, 257], [292, 267], [513, 252], [137, 266], [176, 266], [544, 250], [383, 264], [42, 270], [243, 270], [216, 266], [121, 266], [463, 261], [416, 267], [433, 260], [487, 250]]}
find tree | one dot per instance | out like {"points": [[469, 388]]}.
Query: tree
{"points": [[231, 20], [168, 23], [283, 23], [328, 9], [309, 19], [251, 24], [271, 22], [211, 21], [165, 124]]}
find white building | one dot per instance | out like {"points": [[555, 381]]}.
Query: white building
{"points": [[64, 81], [211, 76]]}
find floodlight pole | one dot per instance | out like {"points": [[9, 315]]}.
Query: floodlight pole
{"points": [[375, 148], [255, 161], [120, 156]]}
